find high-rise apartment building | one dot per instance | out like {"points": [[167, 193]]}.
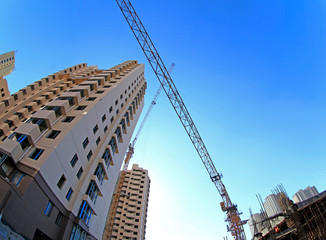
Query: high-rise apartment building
{"points": [[7, 65], [305, 194], [62, 142], [271, 205], [130, 220]]}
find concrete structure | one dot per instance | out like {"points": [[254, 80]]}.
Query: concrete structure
{"points": [[7, 65], [303, 195], [130, 221], [272, 206], [62, 143]]}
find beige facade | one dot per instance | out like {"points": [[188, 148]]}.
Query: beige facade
{"points": [[131, 216], [7, 65], [62, 143]]}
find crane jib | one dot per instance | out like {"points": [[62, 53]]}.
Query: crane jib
{"points": [[235, 225]]}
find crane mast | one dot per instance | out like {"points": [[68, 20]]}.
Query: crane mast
{"points": [[235, 225], [118, 191]]}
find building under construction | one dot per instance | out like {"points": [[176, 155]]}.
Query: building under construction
{"points": [[303, 221]]}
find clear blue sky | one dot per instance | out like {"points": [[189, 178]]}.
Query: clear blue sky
{"points": [[251, 73]]}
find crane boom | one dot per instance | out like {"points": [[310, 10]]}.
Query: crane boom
{"points": [[235, 225]]}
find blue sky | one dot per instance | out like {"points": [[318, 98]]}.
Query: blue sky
{"points": [[251, 73]]}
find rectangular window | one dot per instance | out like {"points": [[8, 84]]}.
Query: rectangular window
{"points": [[91, 99], [85, 143], [112, 119], [103, 117], [59, 219], [107, 157], [99, 92], [36, 154], [118, 133], [123, 125], [100, 173], [61, 181], [110, 109], [127, 117], [74, 160], [80, 108], [85, 212], [117, 112], [68, 119], [116, 102], [23, 140], [17, 178], [98, 140], [80, 172], [105, 129], [113, 144], [69, 193], [48, 208], [89, 155], [92, 191], [53, 134], [95, 129]]}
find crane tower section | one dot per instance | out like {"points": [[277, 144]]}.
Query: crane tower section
{"points": [[235, 225]]}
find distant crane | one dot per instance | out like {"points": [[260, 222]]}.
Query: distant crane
{"points": [[235, 225], [118, 192]]}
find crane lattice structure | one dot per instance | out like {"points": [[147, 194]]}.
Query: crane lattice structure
{"points": [[235, 225], [118, 189]]}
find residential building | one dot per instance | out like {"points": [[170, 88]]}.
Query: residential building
{"points": [[303, 195], [7, 65], [271, 205], [62, 143], [130, 220]]}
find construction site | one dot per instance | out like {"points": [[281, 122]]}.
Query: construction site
{"points": [[68, 140]]}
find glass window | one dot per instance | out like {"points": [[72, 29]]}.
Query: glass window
{"points": [[79, 108], [85, 212], [95, 129], [80, 172], [48, 208], [74, 160], [113, 144], [118, 133], [103, 117], [36, 154], [123, 125], [78, 233], [85, 143], [53, 134], [92, 191], [100, 173], [89, 155], [61, 181], [17, 177], [58, 220], [69, 193], [68, 119], [107, 157]]}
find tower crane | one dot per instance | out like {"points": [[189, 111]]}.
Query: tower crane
{"points": [[115, 199], [234, 223]]}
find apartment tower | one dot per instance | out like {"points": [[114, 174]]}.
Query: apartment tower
{"points": [[131, 216], [7, 65], [62, 143]]}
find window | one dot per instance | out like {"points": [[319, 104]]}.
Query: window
{"points": [[95, 129], [100, 173], [98, 140], [78, 233], [85, 212], [107, 86], [113, 144], [112, 119], [58, 220], [107, 157], [117, 112], [85, 143], [69, 193], [91, 99], [36, 154], [70, 99], [121, 96], [99, 92], [103, 117], [53, 134], [74, 160], [89, 155], [123, 125], [61, 181], [118, 132], [127, 117], [105, 129], [116, 102], [80, 172], [68, 119], [80, 108], [92, 191], [48, 208], [56, 110], [17, 178]]}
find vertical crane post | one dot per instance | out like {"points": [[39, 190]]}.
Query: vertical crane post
{"points": [[235, 225]]}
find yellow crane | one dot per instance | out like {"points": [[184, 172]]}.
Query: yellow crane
{"points": [[235, 225]]}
